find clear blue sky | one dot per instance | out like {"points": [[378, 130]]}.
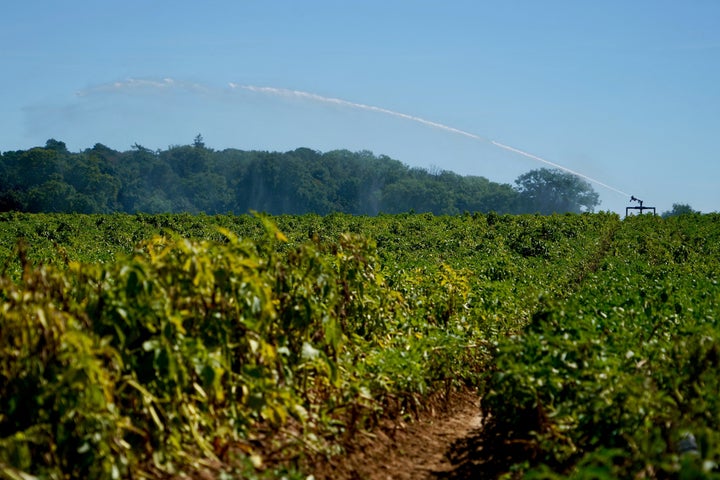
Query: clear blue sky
{"points": [[625, 92]]}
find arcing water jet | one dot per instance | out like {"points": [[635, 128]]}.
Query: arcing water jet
{"points": [[283, 92]]}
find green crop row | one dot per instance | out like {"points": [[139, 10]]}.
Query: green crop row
{"points": [[619, 379], [188, 356], [148, 346]]}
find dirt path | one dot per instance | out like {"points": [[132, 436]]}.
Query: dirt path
{"points": [[435, 446]]}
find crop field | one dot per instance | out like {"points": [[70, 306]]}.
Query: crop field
{"points": [[192, 346]]}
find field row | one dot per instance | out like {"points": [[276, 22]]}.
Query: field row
{"points": [[153, 345], [148, 346], [619, 379]]}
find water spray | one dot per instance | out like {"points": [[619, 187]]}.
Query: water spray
{"points": [[560, 167], [345, 103], [283, 92]]}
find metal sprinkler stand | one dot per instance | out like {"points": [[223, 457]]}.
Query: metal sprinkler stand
{"points": [[641, 208]]}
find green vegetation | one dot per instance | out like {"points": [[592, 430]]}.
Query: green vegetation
{"points": [[679, 209], [550, 191], [607, 382], [194, 179], [149, 346]]}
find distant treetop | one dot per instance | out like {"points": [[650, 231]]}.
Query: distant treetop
{"points": [[679, 209]]}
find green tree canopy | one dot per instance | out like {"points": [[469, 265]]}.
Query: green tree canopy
{"points": [[548, 191], [194, 178], [679, 209]]}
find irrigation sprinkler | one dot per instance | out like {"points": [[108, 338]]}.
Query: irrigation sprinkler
{"points": [[641, 208]]}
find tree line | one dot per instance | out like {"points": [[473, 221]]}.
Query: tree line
{"points": [[197, 179]]}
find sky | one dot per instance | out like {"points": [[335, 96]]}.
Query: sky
{"points": [[624, 93]]}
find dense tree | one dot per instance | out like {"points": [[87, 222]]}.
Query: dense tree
{"points": [[52, 196], [548, 191], [194, 179], [85, 175], [56, 145], [679, 209]]}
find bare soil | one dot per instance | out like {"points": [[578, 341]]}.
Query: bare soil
{"points": [[448, 444]]}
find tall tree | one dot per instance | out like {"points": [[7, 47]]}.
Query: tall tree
{"points": [[548, 191], [679, 209]]}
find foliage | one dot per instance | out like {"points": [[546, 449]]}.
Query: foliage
{"points": [[160, 344], [186, 345], [610, 380], [194, 178], [549, 191], [679, 209]]}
